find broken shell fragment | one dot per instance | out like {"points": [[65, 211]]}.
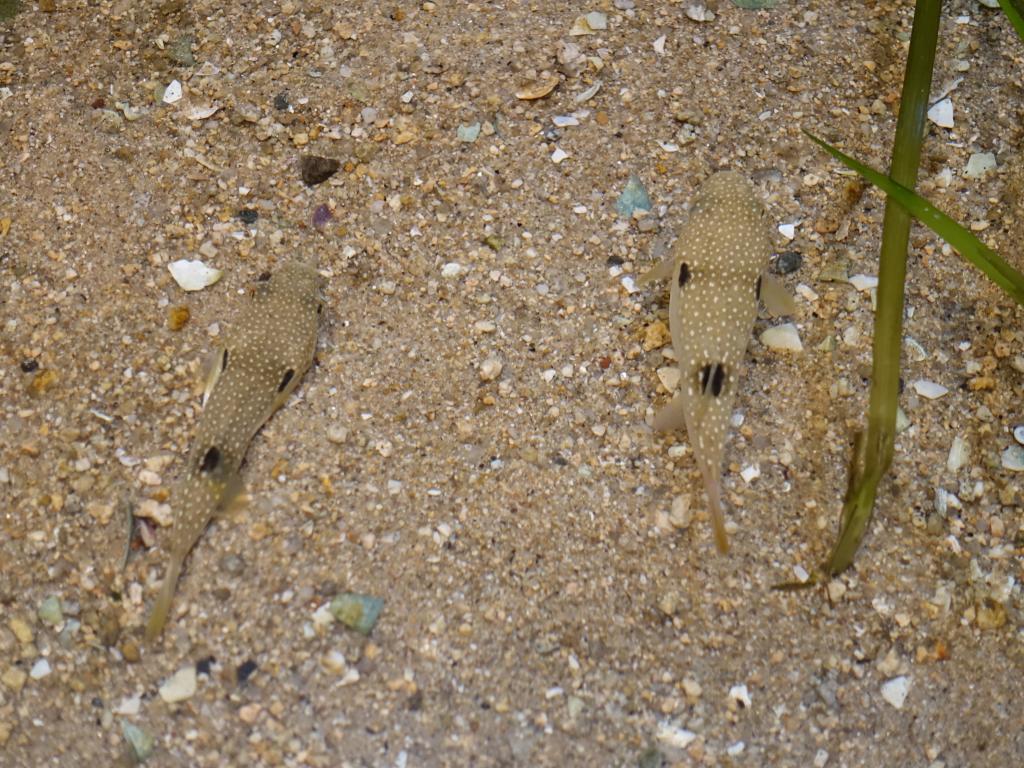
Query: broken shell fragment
{"points": [[538, 89], [193, 275]]}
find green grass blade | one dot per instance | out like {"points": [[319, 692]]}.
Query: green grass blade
{"points": [[969, 246], [1014, 15]]}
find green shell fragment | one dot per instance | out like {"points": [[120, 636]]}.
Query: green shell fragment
{"points": [[754, 5], [358, 612], [468, 133], [141, 743], [633, 198], [50, 612]]}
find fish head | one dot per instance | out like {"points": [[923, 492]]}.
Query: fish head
{"points": [[297, 283], [728, 202]]}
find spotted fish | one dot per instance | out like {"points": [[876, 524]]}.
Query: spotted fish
{"points": [[263, 357], [718, 276]]}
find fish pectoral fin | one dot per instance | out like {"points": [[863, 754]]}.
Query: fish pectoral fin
{"points": [[233, 497], [777, 300], [210, 370], [162, 607], [713, 487], [660, 271], [671, 417]]}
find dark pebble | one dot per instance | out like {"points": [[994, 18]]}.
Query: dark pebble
{"points": [[203, 665], [415, 702], [281, 101], [27, 366], [248, 215], [245, 670], [316, 170], [614, 261], [788, 261]]}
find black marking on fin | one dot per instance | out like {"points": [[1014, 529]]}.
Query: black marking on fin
{"points": [[684, 274], [285, 379], [718, 380], [210, 459], [319, 308], [712, 379], [224, 362], [757, 288]]}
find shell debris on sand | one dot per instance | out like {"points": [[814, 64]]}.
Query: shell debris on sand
{"points": [[785, 338], [193, 274]]}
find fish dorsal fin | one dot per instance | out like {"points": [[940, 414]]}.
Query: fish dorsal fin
{"points": [[776, 298]]}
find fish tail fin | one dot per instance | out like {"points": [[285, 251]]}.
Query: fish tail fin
{"points": [[162, 606], [715, 510]]}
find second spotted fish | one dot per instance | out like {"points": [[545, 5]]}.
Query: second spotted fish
{"points": [[264, 356], [717, 276]]}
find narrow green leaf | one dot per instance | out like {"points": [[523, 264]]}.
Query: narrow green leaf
{"points": [[1014, 15], [969, 246]]}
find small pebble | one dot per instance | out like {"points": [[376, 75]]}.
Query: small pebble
{"points": [[177, 317], [451, 270], [490, 369], [675, 736], [358, 612], [979, 164], [669, 377], [337, 434], [895, 691], [50, 611], [180, 686], [21, 630], [788, 262], [129, 706], [14, 678], [692, 688], [140, 741], [941, 113], [929, 389], [468, 133], [783, 337], [40, 669], [681, 515], [245, 671], [959, 452], [864, 282], [558, 155], [836, 590], [740, 695], [316, 170], [1013, 458], [1018, 434], [151, 509]]}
